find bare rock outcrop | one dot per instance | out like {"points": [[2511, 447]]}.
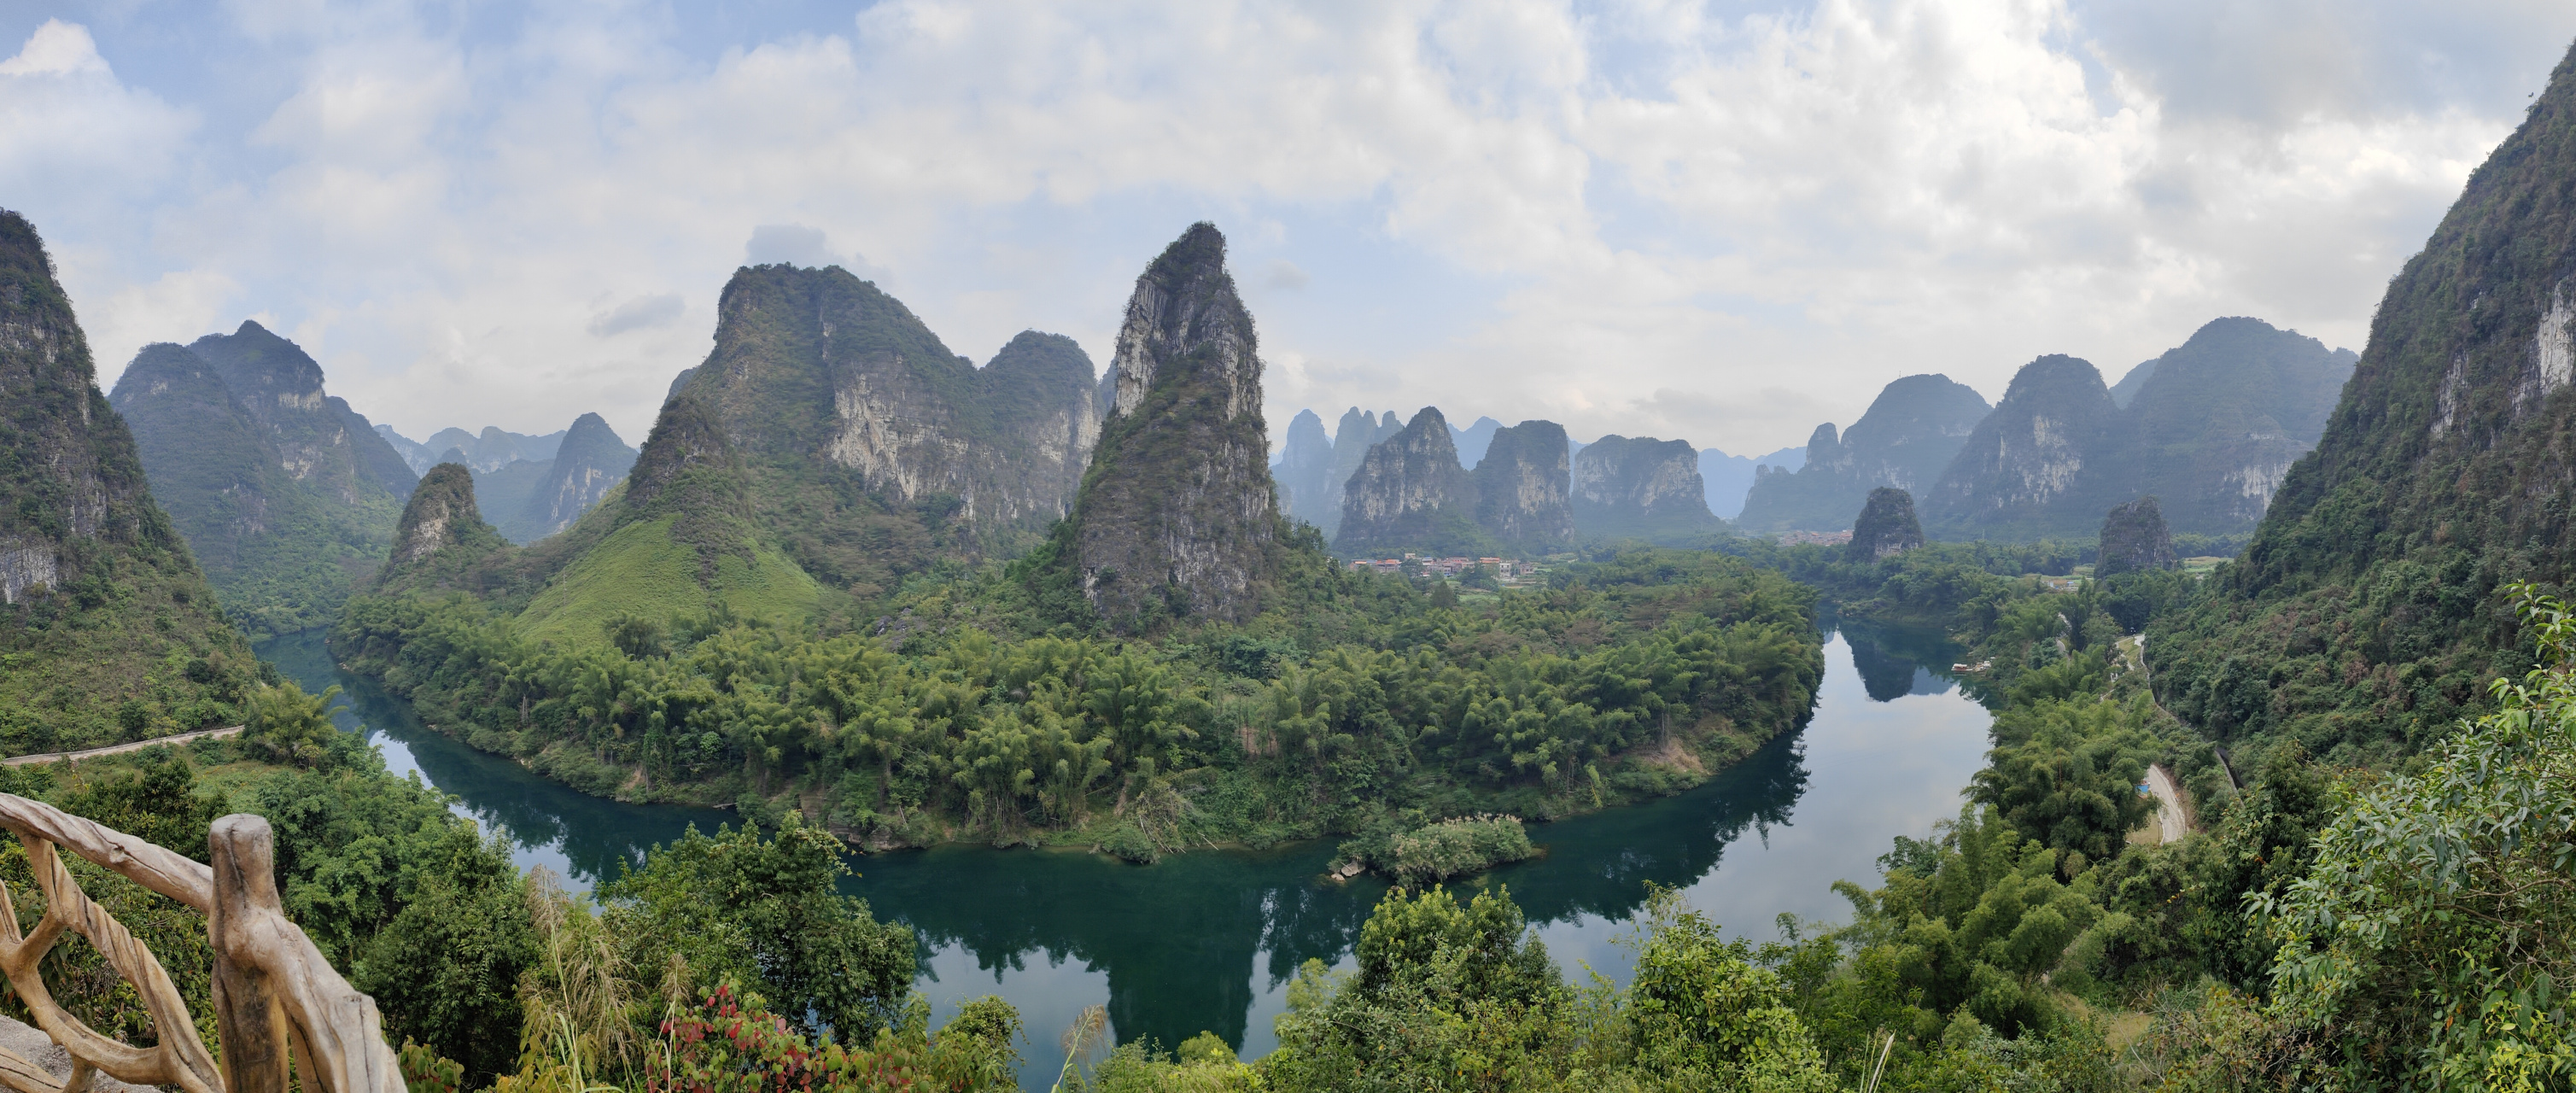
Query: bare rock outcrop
{"points": [[1410, 494], [1641, 488], [1524, 488], [1178, 515]]}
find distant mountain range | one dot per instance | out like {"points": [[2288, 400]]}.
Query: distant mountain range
{"points": [[285, 494], [1419, 495], [529, 484], [2210, 428]]}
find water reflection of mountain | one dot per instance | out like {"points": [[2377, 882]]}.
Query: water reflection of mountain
{"points": [[1195, 942], [1895, 662], [1178, 939]]}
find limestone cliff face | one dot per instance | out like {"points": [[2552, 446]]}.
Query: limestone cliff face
{"points": [[2443, 472], [1406, 489], [74, 489], [590, 461], [1178, 516], [2134, 537], [1039, 389], [816, 366], [105, 603], [1640, 487], [1912, 431], [1523, 489], [2054, 423], [1887, 526], [442, 536], [317, 439]]}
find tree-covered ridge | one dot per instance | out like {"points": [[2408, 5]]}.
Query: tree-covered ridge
{"points": [[107, 628], [2364, 617], [282, 552], [969, 719]]}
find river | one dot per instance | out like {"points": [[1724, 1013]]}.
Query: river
{"points": [[1209, 940]]}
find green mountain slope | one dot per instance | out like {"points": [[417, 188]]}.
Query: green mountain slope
{"points": [[282, 553], [107, 629], [2364, 617]]}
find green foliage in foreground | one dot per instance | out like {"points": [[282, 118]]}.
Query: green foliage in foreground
{"points": [[1632, 678], [2433, 941]]}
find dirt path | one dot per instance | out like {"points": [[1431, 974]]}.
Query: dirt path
{"points": [[2169, 814], [118, 749]]}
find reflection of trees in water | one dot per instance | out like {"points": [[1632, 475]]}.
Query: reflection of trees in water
{"points": [[1178, 940], [596, 835], [1599, 865]]}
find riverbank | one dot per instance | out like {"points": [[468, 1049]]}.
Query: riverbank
{"points": [[1630, 682], [1211, 939]]}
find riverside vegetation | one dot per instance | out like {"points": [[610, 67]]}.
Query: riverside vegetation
{"points": [[1361, 701]]}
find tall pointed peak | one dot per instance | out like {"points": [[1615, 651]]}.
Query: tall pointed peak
{"points": [[1178, 514]]}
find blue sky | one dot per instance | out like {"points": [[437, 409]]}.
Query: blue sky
{"points": [[1719, 222]]}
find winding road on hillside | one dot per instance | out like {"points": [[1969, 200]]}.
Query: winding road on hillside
{"points": [[116, 749], [2169, 814]]}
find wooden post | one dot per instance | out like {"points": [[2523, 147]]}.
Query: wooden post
{"points": [[249, 1021]]}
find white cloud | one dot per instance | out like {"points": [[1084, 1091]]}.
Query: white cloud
{"points": [[638, 313], [1637, 217], [56, 49]]}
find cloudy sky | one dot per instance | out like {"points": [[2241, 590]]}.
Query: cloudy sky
{"points": [[1723, 222]]}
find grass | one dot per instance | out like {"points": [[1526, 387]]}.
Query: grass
{"points": [[640, 569]]}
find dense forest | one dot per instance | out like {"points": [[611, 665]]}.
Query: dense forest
{"points": [[1361, 701]]}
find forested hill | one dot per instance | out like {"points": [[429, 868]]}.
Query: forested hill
{"points": [[286, 495], [2365, 616], [107, 629]]}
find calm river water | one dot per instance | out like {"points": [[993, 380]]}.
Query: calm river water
{"points": [[1209, 940]]}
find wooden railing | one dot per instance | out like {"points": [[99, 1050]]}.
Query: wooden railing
{"points": [[273, 991]]}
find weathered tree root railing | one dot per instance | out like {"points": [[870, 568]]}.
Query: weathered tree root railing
{"points": [[272, 987]]}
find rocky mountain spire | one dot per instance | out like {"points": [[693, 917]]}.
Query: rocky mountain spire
{"points": [[442, 535], [1523, 489], [1410, 494], [1640, 487], [2054, 424], [1177, 516], [1305, 464]]}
